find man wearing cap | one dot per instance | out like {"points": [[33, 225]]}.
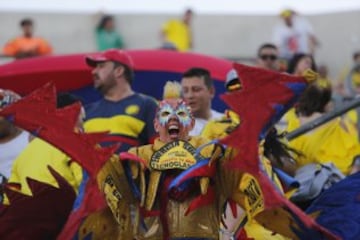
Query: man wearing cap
{"points": [[126, 115]]}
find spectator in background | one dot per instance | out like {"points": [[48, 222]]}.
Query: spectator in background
{"points": [[297, 66], [294, 35], [27, 45], [267, 57], [198, 90], [106, 36], [299, 63], [324, 73], [177, 33], [12, 139], [349, 80]]}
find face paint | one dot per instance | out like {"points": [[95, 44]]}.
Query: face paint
{"points": [[165, 113], [184, 114], [181, 111]]}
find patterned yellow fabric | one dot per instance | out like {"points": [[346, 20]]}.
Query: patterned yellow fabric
{"points": [[256, 231], [203, 222], [116, 125], [335, 141]]}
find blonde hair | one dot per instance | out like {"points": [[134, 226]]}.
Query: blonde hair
{"points": [[172, 90]]}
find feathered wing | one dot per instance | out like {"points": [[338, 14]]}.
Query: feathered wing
{"points": [[37, 114], [264, 98], [40, 216], [338, 208]]}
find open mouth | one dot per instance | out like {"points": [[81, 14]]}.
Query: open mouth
{"points": [[173, 131]]}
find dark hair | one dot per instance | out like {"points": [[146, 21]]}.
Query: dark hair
{"points": [[103, 21], [65, 99], [266, 45], [294, 61], [26, 22], [189, 11], [128, 72], [275, 149], [314, 99], [356, 55], [201, 73]]}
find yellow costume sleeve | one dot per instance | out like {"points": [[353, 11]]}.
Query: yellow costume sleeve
{"points": [[217, 129], [113, 183]]}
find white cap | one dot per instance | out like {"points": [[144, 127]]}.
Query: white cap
{"points": [[231, 75]]}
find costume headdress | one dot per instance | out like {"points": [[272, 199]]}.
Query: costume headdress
{"points": [[172, 90], [172, 97]]}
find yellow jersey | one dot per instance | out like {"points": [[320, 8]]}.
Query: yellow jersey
{"points": [[178, 33]]}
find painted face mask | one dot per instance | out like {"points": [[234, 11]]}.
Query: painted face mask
{"points": [[180, 110]]}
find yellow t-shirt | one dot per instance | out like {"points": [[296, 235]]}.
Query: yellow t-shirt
{"points": [[335, 141], [33, 163], [178, 33]]}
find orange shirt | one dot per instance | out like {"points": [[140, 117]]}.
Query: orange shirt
{"points": [[25, 46]]}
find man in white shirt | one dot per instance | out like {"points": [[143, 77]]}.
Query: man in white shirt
{"points": [[294, 34], [198, 91]]}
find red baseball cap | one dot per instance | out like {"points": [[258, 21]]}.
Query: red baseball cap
{"points": [[115, 55]]}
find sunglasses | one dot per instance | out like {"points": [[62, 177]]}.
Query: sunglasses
{"points": [[268, 57]]}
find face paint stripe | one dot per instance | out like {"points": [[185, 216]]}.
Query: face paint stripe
{"points": [[182, 113]]}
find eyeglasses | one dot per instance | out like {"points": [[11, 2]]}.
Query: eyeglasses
{"points": [[268, 57]]}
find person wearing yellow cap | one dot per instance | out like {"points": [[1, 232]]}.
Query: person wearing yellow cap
{"points": [[294, 34]]}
